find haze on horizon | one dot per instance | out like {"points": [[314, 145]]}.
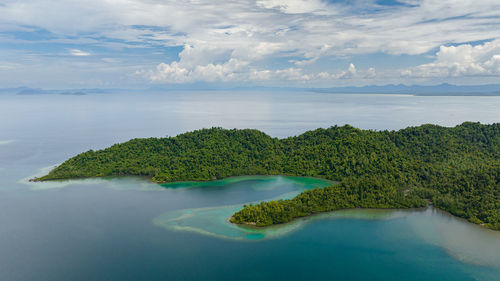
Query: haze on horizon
{"points": [[302, 43]]}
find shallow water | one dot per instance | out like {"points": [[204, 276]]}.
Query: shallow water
{"points": [[129, 228], [213, 221]]}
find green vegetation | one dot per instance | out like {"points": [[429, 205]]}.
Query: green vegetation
{"points": [[368, 192], [458, 169]]}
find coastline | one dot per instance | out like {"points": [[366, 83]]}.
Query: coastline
{"points": [[150, 178], [253, 224]]}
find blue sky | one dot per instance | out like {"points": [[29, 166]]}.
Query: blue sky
{"points": [[303, 43]]}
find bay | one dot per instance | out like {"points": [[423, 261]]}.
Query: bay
{"points": [[114, 229]]}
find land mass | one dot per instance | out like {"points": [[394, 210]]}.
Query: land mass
{"points": [[444, 89], [457, 169]]}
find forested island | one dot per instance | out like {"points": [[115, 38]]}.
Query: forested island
{"points": [[457, 169]]}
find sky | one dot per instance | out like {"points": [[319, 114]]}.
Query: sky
{"points": [[293, 43]]}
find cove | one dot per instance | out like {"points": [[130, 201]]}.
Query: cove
{"points": [[213, 221], [460, 239], [97, 229]]}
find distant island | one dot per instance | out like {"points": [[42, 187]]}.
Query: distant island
{"points": [[456, 169], [443, 89]]}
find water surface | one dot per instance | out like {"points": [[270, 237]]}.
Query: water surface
{"points": [[120, 229]]}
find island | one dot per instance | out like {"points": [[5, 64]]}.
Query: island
{"points": [[457, 169]]}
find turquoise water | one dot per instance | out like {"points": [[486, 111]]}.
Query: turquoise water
{"points": [[97, 226], [213, 221], [131, 229]]}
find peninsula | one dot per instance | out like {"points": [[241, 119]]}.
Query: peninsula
{"points": [[457, 169]]}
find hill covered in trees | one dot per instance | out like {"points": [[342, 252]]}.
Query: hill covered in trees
{"points": [[458, 169]]}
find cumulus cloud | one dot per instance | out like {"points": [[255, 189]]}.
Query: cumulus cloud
{"points": [[235, 71], [349, 73], [292, 74], [461, 60], [177, 73], [232, 70]]}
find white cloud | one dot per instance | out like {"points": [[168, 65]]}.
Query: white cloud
{"points": [[304, 26], [78, 53], [236, 71], [292, 74], [294, 6], [461, 60], [177, 73], [371, 73], [351, 72], [233, 39]]}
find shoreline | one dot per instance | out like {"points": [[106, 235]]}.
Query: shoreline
{"points": [[150, 178], [430, 206], [253, 224]]}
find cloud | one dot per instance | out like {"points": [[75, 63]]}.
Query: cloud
{"points": [[78, 53], [4, 142], [294, 6], [349, 73], [292, 74], [177, 73], [238, 71], [234, 40], [303, 26], [461, 60]]}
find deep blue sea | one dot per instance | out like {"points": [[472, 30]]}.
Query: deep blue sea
{"points": [[131, 229]]}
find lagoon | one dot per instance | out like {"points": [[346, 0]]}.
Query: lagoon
{"points": [[132, 229]]}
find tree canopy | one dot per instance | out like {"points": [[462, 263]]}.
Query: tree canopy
{"points": [[457, 169]]}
